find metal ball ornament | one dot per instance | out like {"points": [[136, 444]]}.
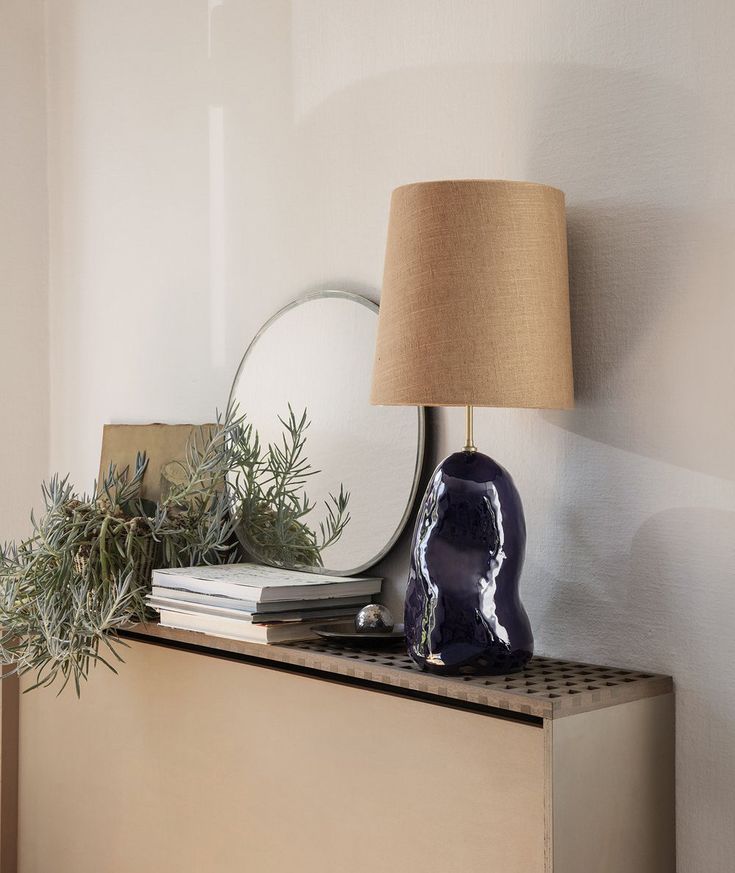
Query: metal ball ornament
{"points": [[374, 618]]}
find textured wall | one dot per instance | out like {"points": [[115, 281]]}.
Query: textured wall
{"points": [[208, 162], [24, 416]]}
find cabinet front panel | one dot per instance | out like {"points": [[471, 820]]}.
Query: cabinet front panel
{"points": [[189, 763]]}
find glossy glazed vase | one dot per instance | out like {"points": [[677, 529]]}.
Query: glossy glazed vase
{"points": [[463, 610]]}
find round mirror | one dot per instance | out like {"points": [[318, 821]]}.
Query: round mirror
{"points": [[330, 479]]}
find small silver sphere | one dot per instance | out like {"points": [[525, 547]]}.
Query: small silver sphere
{"points": [[374, 618]]}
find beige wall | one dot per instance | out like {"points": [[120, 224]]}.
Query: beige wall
{"points": [[24, 397], [209, 162]]}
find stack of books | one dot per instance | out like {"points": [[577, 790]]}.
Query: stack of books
{"points": [[256, 603]]}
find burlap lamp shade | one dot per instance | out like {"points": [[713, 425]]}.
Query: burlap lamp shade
{"points": [[474, 307], [474, 311]]}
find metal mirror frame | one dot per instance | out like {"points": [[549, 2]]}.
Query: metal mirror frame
{"points": [[418, 466]]}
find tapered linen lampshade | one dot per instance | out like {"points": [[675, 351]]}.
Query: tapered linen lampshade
{"points": [[474, 311], [474, 307]]}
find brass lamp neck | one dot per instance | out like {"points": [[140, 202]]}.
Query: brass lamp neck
{"points": [[469, 445]]}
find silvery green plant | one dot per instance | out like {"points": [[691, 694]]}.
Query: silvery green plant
{"points": [[268, 489], [85, 570]]}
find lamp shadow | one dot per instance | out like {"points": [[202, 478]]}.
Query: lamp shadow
{"points": [[651, 323]]}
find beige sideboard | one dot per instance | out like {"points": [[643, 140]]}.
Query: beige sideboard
{"points": [[225, 757]]}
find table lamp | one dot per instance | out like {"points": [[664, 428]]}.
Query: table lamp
{"points": [[474, 311]]}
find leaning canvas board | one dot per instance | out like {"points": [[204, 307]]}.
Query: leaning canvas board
{"points": [[162, 443]]}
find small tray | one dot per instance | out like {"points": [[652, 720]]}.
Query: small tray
{"points": [[344, 632]]}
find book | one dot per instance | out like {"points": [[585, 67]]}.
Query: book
{"points": [[220, 600], [237, 629], [173, 603], [259, 584]]}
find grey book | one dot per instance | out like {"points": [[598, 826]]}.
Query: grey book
{"points": [[332, 609], [235, 603]]}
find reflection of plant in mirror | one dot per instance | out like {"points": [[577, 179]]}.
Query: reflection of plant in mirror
{"points": [[269, 497]]}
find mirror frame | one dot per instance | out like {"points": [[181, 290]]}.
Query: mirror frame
{"points": [[420, 411]]}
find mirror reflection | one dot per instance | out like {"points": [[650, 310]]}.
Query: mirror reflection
{"points": [[327, 480]]}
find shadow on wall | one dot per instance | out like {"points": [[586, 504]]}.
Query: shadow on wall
{"points": [[649, 264], [682, 570], [670, 607], [652, 318]]}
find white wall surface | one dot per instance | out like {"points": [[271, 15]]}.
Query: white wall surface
{"points": [[24, 408], [209, 161]]}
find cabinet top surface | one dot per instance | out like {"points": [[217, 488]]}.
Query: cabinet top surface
{"points": [[546, 688]]}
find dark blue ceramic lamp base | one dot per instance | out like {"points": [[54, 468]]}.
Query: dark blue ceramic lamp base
{"points": [[463, 611]]}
